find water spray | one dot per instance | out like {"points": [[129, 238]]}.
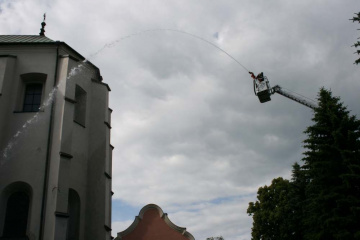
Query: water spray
{"points": [[4, 154], [74, 71], [112, 44]]}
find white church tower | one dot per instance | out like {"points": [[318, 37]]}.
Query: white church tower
{"points": [[55, 151]]}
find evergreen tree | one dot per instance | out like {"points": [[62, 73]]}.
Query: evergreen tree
{"points": [[299, 183], [332, 166], [357, 44], [322, 200]]}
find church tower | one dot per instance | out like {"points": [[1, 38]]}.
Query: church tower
{"points": [[55, 151]]}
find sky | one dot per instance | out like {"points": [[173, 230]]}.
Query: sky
{"points": [[189, 133]]}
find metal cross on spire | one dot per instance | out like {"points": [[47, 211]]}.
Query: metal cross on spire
{"points": [[43, 24]]}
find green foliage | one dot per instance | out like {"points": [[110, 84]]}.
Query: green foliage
{"points": [[297, 200], [356, 18], [357, 44], [322, 200], [270, 211], [332, 164]]}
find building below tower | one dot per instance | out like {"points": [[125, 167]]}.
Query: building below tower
{"points": [[55, 150]]}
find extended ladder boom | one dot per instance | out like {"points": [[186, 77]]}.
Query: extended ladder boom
{"points": [[263, 91], [303, 101]]}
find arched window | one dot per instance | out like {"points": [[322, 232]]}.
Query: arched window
{"points": [[74, 215], [16, 216]]}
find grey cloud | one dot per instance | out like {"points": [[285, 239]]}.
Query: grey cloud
{"points": [[187, 128]]}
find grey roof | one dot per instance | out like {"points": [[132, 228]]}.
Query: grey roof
{"points": [[24, 39]]}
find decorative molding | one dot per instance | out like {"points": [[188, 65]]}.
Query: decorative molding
{"points": [[79, 124], [28, 112], [70, 100], [172, 225], [129, 229], [150, 206], [162, 215], [62, 214], [8, 55], [188, 235], [107, 228], [101, 83], [107, 124], [71, 57], [107, 175], [66, 155]]}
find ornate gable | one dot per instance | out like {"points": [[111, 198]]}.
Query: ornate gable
{"points": [[153, 224]]}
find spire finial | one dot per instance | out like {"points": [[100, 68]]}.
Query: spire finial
{"points": [[43, 24]]}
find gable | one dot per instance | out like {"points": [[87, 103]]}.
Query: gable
{"points": [[153, 224]]}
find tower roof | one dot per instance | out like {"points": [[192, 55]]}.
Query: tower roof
{"points": [[24, 39]]}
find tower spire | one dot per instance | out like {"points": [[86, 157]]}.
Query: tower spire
{"points": [[43, 24]]}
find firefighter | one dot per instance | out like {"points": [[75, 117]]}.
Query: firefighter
{"points": [[259, 77]]}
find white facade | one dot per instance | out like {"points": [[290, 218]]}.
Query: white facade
{"points": [[55, 164]]}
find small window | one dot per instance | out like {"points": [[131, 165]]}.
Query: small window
{"points": [[30, 92], [32, 98], [80, 106], [74, 215]]}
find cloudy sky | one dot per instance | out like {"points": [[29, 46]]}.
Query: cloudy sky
{"points": [[189, 134]]}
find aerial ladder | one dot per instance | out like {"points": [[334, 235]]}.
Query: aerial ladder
{"points": [[263, 91]]}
